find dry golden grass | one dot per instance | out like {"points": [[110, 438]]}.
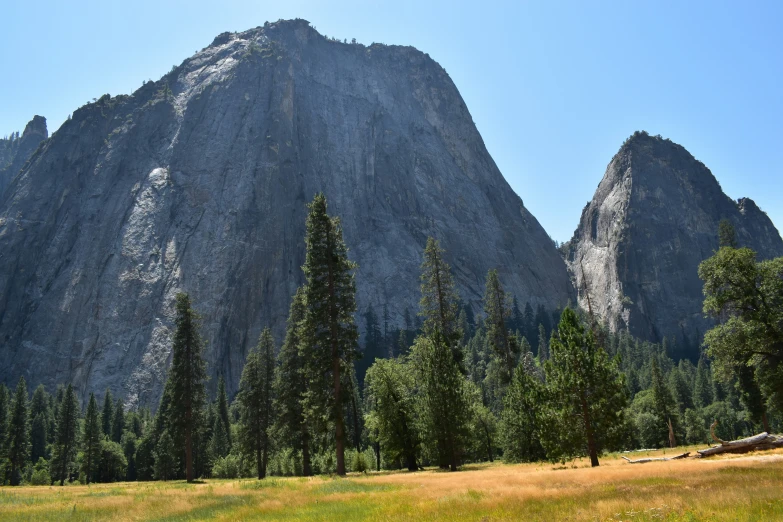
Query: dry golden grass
{"points": [[748, 487]]}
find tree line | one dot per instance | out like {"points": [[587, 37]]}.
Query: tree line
{"points": [[451, 390]]}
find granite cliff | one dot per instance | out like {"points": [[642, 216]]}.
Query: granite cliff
{"points": [[652, 220], [198, 182], [16, 150]]}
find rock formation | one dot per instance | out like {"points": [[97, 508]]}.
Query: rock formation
{"points": [[15, 152], [198, 182], [652, 220]]}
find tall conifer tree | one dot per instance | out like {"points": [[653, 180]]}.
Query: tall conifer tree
{"points": [[186, 382], [291, 385], [91, 439], [107, 415], [255, 399], [497, 307], [118, 421], [64, 448], [18, 438], [586, 391], [222, 409], [439, 301], [3, 427], [39, 430], [329, 332]]}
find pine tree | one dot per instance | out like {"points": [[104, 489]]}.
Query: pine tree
{"points": [[442, 400], [702, 388], [329, 332], [186, 382], [519, 421], [18, 437], [255, 401], [529, 325], [118, 421], [727, 236], [92, 434], [39, 413], [439, 302], [165, 457], [65, 442], [664, 406], [390, 386], [291, 386], [222, 409], [107, 416], [543, 347], [3, 428], [497, 307], [586, 393], [129, 444], [218, 442]]}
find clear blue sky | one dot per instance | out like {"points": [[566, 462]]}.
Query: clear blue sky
{"points": [[554, 87]]}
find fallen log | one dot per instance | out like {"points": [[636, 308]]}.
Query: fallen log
{"points": [[762, 441], [657, 459]]}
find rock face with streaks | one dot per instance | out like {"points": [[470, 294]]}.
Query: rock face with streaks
{"points": [[652, 220], [15, 151], [198, 182]]}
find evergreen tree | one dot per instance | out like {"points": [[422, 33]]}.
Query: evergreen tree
{"points": [[291, 386], [329, 332], [18, 437], [517, 319], [186, 382], [664, 405], [543, 347], [38, 437], [118, 421], [442, 400], [129, 444], [107, 417], [439, 302], [390, 387], [39, 430], [65, 442], [165, 458], [586, 393], [529, 329], [727, 236], [222, 409], [520, 420], [3, 428], [702, 388], [255, 400], [497, 307], [92, 434], [218, 442]]}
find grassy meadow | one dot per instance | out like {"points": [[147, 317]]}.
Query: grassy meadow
{"points": [[747, 487]]}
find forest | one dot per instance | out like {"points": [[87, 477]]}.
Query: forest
{"points": [[515, 383]]}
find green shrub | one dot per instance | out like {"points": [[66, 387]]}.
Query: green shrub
{"points": [[40, 475]]}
